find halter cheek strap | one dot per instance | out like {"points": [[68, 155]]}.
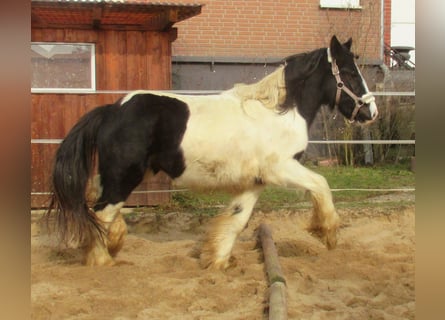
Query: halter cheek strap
{"points": [[359, 102]]}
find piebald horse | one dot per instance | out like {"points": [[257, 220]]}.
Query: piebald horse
{"points": [[239, 141]]}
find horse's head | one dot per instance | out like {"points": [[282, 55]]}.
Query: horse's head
{"points": [[346, 86]]}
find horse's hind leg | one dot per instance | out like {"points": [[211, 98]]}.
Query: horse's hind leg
{"points": [[325, 220], [224, 229], [101, 250], [117, 186]]}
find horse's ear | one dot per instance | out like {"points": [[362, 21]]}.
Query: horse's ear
{"points": [[348, 44], [336, 48]]}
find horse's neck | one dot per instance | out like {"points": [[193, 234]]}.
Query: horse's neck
{"points": [[310, 98], [309, 111]]}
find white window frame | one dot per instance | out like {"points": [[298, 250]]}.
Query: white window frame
{"points": [[340, 4], [91, 88]]}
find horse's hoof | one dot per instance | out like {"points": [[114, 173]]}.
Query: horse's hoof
{"points": [[331, 238], [98, 263], [123, 263], [328, 237], [316, 232], [195, 252], [218, 264], [232, 263], [94, 260]]}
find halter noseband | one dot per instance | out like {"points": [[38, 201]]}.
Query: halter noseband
{"points": [[359, 102]]}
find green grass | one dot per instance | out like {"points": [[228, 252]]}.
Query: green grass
{"points": [[273, 198], [379, 177]]}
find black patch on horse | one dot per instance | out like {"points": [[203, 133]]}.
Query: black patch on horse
{"points": [[303, 76], [237, 209], [298, 155], [144, 133], [258, 181]]}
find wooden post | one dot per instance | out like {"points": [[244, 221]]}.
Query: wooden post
{"points": [[277, 283]]}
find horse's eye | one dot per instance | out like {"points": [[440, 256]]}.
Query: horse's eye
{"points": [[356, 57], [351, 72]]}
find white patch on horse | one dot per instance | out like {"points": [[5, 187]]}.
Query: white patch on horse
{"points": [[107, 214], [372, 105]]}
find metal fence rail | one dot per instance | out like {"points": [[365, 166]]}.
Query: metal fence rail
{"points": [[57, 141], [188, 92]]}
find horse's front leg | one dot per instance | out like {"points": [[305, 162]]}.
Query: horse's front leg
{"points": [[224, 229], [325, 220]]}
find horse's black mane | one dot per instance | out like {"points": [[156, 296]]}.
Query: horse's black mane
{"points": [[298, 68], [305, 60]]}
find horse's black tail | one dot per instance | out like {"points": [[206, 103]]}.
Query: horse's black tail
{"points": [[68, 209]]}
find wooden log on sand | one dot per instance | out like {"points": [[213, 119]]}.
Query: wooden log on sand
{"points": [[277, 283]]}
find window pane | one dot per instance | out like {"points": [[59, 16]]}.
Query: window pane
{"points": [[56, 65]]}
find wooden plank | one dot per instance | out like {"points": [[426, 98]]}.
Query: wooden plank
{"points": [[122, 60], [115, 60], [136, 63], [100, 62], [154, 65], [165, 56], [110, 61]]}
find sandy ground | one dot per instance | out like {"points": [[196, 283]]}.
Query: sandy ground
{"points": [[369, 276]]}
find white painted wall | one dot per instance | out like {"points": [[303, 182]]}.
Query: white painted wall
{"points": [[403, 24]]}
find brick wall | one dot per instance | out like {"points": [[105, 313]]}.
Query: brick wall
{"points": [[387, 27], [387, 22], [276, 28]]}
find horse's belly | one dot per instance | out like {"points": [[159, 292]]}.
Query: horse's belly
{"points": [[223, 173]]}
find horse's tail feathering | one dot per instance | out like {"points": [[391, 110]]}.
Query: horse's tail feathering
{"points": [[74, 162]]}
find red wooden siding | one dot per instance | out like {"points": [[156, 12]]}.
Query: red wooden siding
{"points": [[125, 60]]}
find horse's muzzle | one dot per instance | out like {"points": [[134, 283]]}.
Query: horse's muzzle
{"points": [[368, 116]]}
